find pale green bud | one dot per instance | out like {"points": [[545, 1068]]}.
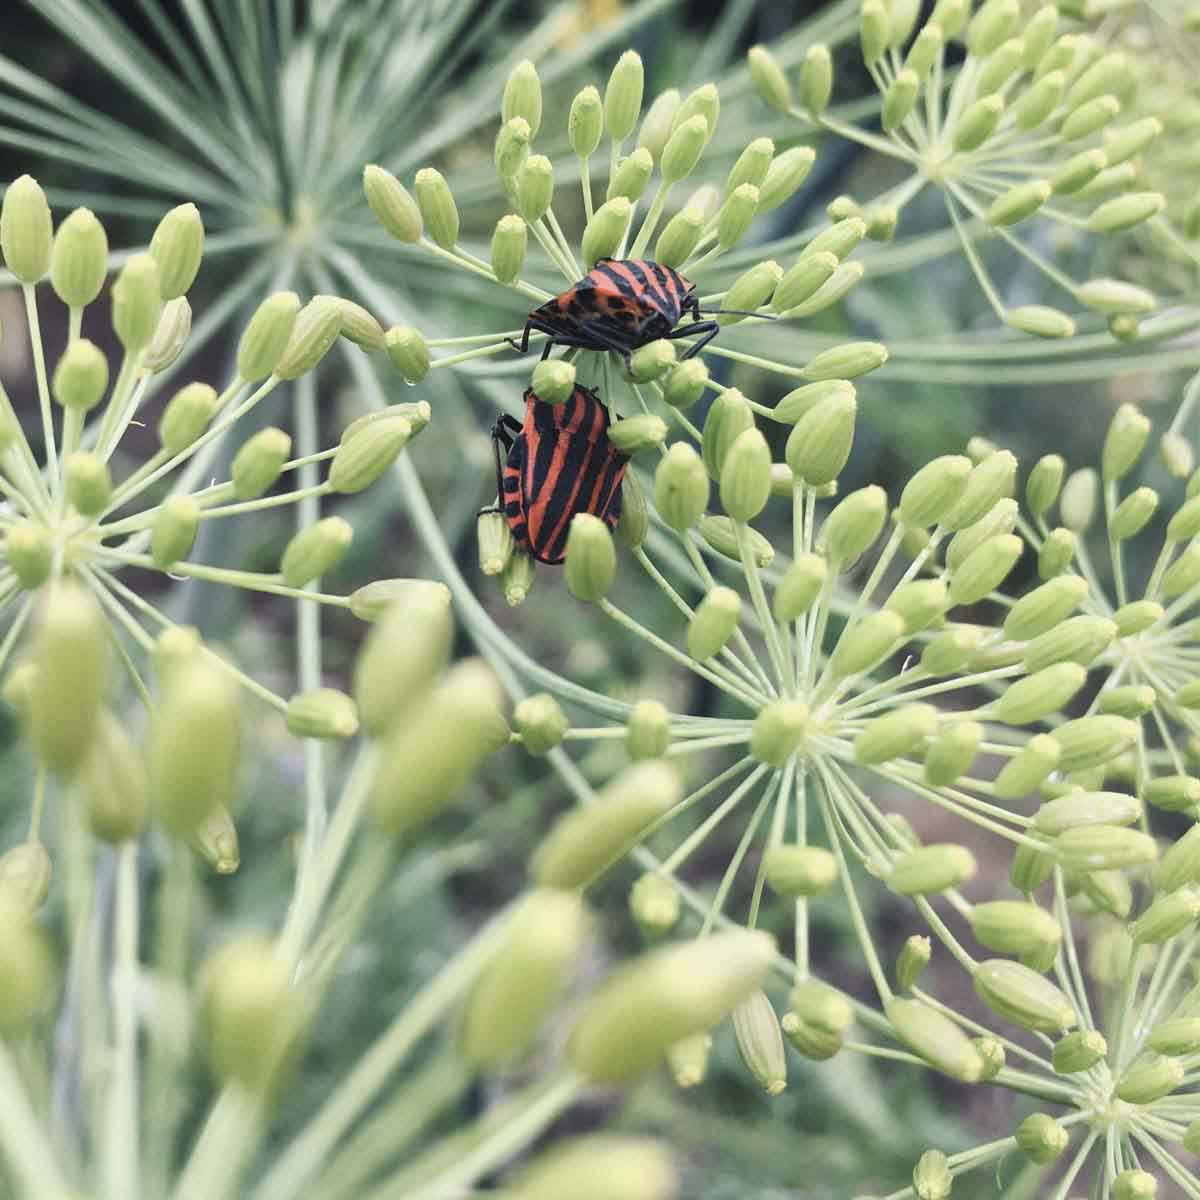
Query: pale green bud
{"points": [[760, 1042], [596, 1167], [1104, 847], [631, 435], [999, 66], [803, 279], [1037, 102], [1044, 483], [991, 25], [728, 418], [553, 381], [991, 480], [535, 187], [322, 713], [523, 96], [1077, 640], [170, 336], [894, 734], [1042, 610], [1078, 1051], [194, 744], [679, 237], [25, 872], [267, 336], [778, 731], [750, 291], [1078, 171], [799, 587], [952, 752], [524, 979], [705, 101], [1089, 741], [900, 99], [871, 641], [936, 1038], [921, 602], [1018, 994], [801, 400], [606, 230], [408, 646], [769, 78], [784, 177], [358, 325], [1078, 501], [393, 206], [924, 51], [1124, 443], [913, 958], [1173, 793], [985, 569], [437, 206], [215, 839], [713, 623], [494, 539], [1017, 203], [934, 490], [1060, 55], [1085, 120], [623, 96], [1040, 694], [903, 16], [1123, 144], [1016, 927], [1028, 767], [81, 376], [650, 362], [751, 166], [1030, 868], [1167, 917], [186, 417], [408, 352], [820, 443], [874, 30], [174, 648], [683, 149], [591, 562], [634, 521], [632, 175], [736, 214], [88, 483], [1076, 808], [541, 723], [1037, 34], [1134, 1184], [833, 290], [1056, 554], [79, 259], [585, 122], [1041, 1138], [930, 869], [1133, 514], [1185, 522], [839, 239], [1136, 617], [1000, 519], [948, 652], [259, 462], [1180, 1035], [721, 536], [317, 326], [136, 302], [932, 1178], [1183, 574], [316, 550], [25, 959], [648, 727], [799, 870], [654, 904], [26, 230], [1151, 1078], [510, 150], [977, 123], [681, 487], [1180, 863], [178, 246], [174, 531], [518, 577], [1111, 73], [1112, 296]]}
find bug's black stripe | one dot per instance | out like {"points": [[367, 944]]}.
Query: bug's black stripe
{"points": [[650, 283], [609, 507], [618, 280], [669, 281]]}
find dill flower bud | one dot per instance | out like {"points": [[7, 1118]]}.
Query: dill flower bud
{"points": [[1078, 1051], [760, 1042], [523, 96], [79, 259], [25, 962], [810, 1040], [1150, 1079], [990, 480], [495, 541], [899, 99], [647, 363], [977, 123], [259, 462], [178, 246], [1037, 102], [363, 457], [1040, 611], [1041, 1138], [1030, 868], [1089, 741], [778, 731], [170, 336], [681, 487], [991, 25], [1123, 144], [1016, 927], [705, 101], [1185, 521], [591, 562], [1183, 574], [854, 525], [136, 302], [317, 326], [267, 335], [174, 531], [718, 532], [874, 30], [1126, 438], [586, 841], [934, 490], [816, 79], [1077, 808], [1113, 297], [1078, 171], [1000, 519], [1088, 118], [1180, 1035], [872, 640], [952, 752], [1104, 848], [512, 147], [750, 291], [1056, 554], [799, 870], [769, 78], [437, 206], [798, 589], [392, 204], [1134, 1184], [654, 904], [1168, 916], [751, 166], [541, 723], [802, 280], [736, 214], [1133, 514], [585, 122], [597, 1167], [215, 839], [358, 324], [930, 869], [784, 176], [1029, 766], [745, 476], [999, 66], [316, 550], [623, 96], [1122, 212], [1180, 863], [913, 958], [175, 647], [113, 783], [1172, 793], [679, 237], [632, 175], [26, 230], [634, 522], [1039, 694], [901, 732], [648, 728], [88, 483], [25, 872], [659, 121], [683, 149], [985, 569], [606, 230], [936, 1039], [322, 713], [535, 187], [81, 376], [524, 979], [713, 623], [1020, 995], [657, 1001], [440, 743], [509, 244], [1018, 202], [728, 418], [921, 602]]}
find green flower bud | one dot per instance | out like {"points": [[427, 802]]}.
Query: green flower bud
{"points": [[174, 531], [393, 206], [585, 122], [900, 99], [1000, 519], [1018, 994], [535, 187], [1041, 1138], [1180, 1035], [267, 336], [1076, 808], [1105, 891], [361, 459], [591, 558], [820, 1007], [88, 483], [1028, 767], [1136, 617], [1039, 694], [799, 870], [523, 96], [760, 1042], [79, 259], [901, 732], [1151, 1078], [799, 587], [606, 230], [991, 25], [1038, 33], [216, 841], [833, 290], [632, 175], [713, 623], [1078, 171], [736, 214], [1078, 501], [25, 872], [663, 997], [839, 240], [511, 150], [1180, 863], [358, 325], [596, 1167], [1078, 1051], [540, 722], [1104, 847], [934, 490], [679, 237], [175, 647], [1167, 917], [177, 246], [495, 541], [1040, 612], [936, 1038], [634, 521], [805, 278], [921, 602], [524, 979], [993, 479], [999, 66], [1060, 55], [952, 752], [985, 569], [1018, 202], [24, 955], [1089, 741], [518, 577], [932, 1178], [778, 731], [1030, 868], [977, 123], [769, 78], [874, 30], [316, 550], [1123, 144], [170, 336], [1016, 927], [681, 487], [259, 462], [317, 326], [1037, 102], [683, 149], [784, 177], [751, 166], [925, 50], [1077, 640], [194, 744], [720, 535], [871, 640], [1124, 443], [1172, 793], [853, 526], [913, 958], [26, 230], [631, 435], [322, 713], [81, 376], [1134, 1184], [186, 417], [654, 904], [1112, 296], [728, 418], [1056, 554], [1185, 522], [648, 729], [930, 869], [437, 206], [1182, 575], [250, 1015], [750, 291], [136, 302], [1133, 514], [705, 101], [1085, 120], [623, 96], [746, 476], [1111, 73]]}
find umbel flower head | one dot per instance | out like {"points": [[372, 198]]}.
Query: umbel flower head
{"points": [[74, 528], [1036, 121]]}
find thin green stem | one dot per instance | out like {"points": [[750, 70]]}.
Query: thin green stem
{"points": [[43, 385]]}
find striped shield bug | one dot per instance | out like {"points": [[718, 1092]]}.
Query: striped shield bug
{"points": [[554, 464], [619, 305]]}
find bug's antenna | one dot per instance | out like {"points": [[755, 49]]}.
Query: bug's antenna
{"points": [[736, 312]]}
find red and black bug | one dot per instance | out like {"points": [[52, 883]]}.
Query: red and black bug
{"points": [[557, 463], [619, 305]]}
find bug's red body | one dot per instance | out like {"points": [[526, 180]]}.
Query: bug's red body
{"points": [[619, 305], [557, 463]]}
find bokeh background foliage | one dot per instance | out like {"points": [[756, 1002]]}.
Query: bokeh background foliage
{"points": [[263, 115]]}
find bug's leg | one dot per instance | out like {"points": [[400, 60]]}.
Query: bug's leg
{"points": [[599, 339], [522, 347], [503, 435], [708, 330]]}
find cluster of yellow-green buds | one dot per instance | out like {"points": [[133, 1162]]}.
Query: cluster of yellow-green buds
{"points": [[1036, 120]]}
